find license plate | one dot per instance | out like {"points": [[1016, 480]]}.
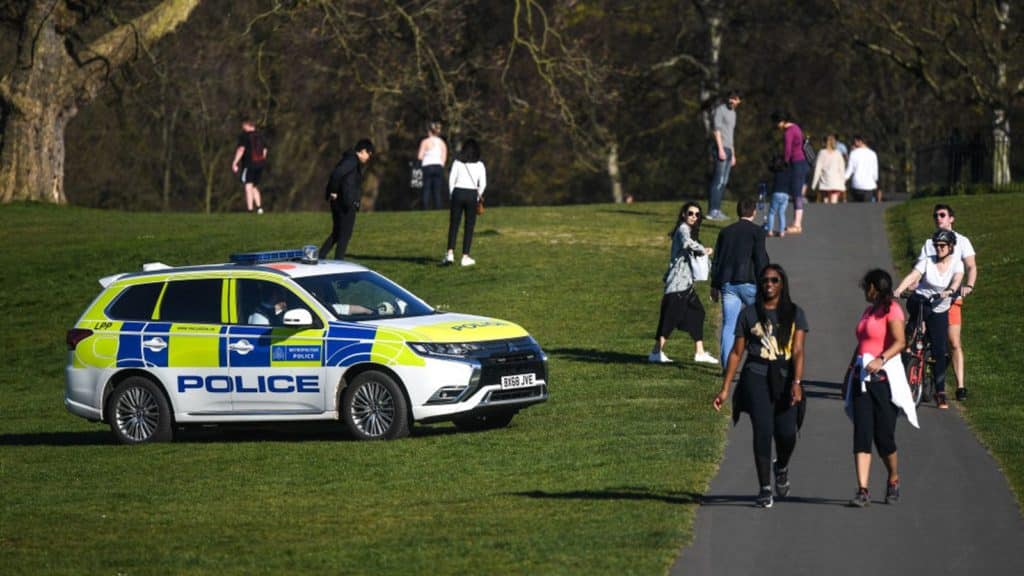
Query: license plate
{"points": [[518, 381]]}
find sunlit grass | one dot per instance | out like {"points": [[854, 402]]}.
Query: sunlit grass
{"points": [[603, 478], [993, 335]]}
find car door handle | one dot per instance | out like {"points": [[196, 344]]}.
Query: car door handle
{"points": [[243, 347], [156, 344]]}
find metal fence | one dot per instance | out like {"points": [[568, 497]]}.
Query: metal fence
{"points": [[955, 165]]}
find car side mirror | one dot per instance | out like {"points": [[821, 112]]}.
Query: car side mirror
{"points": [[298, 317]]}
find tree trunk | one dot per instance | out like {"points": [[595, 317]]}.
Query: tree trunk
{"points": [[167, 134], [36, 105], [1000, 149], [710, 84], [614, 173], [44, 89], [1001, 121], [909, 167]]}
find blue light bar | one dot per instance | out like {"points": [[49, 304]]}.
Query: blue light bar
{"points": [[256, 258]]}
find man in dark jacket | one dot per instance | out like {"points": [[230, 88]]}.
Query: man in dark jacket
{"points": [[740, 256], [344, 191]]}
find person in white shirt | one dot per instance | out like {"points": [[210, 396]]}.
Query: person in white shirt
{"points": [[433, 155], [829, 172], [467, 181], [963, 251], [862, 172], [937, 279]]}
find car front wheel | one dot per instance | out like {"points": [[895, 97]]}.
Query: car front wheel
{"points": [[138, 412], [374, 407]]}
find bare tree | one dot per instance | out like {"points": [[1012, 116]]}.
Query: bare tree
{"points": [[966, 50], [52, 78]]}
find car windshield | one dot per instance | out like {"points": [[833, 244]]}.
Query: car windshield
{"points": [[363, 296]]}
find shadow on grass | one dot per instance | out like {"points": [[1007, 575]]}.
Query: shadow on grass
{"points": [[631, 212], [57, 439], [622, 493], [224, 433], [601, 356], [422, 260], [748, 500]]}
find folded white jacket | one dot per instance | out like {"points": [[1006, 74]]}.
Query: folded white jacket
{"points": [[899, 389]]}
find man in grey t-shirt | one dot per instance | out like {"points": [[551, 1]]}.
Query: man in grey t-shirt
{"points": [[723, 154]]}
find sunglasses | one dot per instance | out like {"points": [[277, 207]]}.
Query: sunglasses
{"points": [[938, 215], [940, 245], [693, 213], [771, 280]]}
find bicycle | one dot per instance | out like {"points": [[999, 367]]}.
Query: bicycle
{"points": [[917, 356]]}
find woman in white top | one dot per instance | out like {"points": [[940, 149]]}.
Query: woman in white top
{"points": [[829, 172], [433, 155], [937, 278], [467, 181]]}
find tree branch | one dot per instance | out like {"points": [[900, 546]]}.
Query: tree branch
{"points": [[124, 43]]}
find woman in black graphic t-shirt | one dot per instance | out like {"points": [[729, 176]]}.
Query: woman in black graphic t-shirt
{"points": [[772, 333]]}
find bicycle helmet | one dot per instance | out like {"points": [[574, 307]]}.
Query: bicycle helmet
{"points": [[943, 235]]}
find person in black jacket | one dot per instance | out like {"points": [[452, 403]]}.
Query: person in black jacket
{"points": [[740, 256], [344, 191]]}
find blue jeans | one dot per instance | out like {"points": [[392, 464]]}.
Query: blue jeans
{"points": [[779, 202], [734, 298], [719, 179]]}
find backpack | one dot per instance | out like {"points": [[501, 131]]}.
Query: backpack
{"points": [[809, 152], [257, 149]]}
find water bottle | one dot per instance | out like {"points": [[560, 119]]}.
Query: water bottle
{"points": [[762, 199]]}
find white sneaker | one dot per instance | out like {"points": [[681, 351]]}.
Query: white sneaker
{"points": [[658, 358], [448, 259], [259, 210], [467, 261], [705, 358]]}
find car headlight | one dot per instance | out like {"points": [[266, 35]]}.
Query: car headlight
{"points": [[448, 350]]}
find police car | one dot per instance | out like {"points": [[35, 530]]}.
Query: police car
{"points": [[281, 336]]}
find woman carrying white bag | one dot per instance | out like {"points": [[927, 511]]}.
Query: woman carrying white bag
{"points": [[680, 306]]}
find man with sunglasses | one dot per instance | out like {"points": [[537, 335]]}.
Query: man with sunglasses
{"points": [[963, 251]]}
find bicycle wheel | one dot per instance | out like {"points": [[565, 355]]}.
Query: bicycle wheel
{"points": [[915, 375], [927, 376]]}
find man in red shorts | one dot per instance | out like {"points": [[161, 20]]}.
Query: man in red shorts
{"points": [[943, 215]]}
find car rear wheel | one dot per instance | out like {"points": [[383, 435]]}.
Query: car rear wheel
{"points": [[138, 412], [374, 407], [488, 421]]}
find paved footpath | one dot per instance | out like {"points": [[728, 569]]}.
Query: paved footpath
{"points": [[957, 515]]}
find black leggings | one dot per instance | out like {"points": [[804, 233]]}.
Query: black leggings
{"points": [[937, 324], [874, 416], [433, 185], [769, 420], [463, 200]]}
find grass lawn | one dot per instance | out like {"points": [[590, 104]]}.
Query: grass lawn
{"points": [[603, 478], [993, 335]]}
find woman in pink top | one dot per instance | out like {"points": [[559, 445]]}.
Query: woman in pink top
{"points": [[879, 340]]}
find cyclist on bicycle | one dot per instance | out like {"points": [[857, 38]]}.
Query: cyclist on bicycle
{"points": [[937, 278], [964, 250]]}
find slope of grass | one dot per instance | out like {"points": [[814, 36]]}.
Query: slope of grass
{"points": [[992, 336], [602, 478]]}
